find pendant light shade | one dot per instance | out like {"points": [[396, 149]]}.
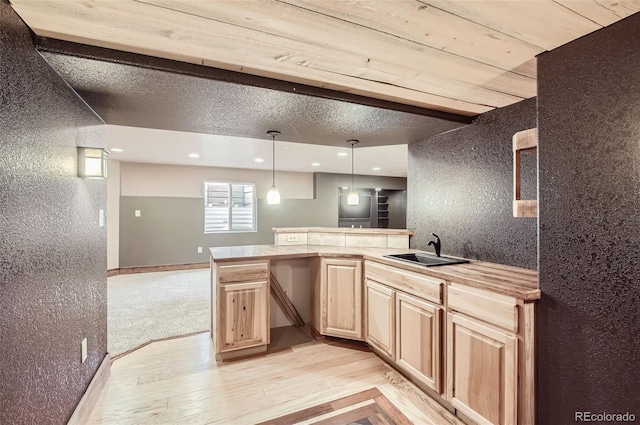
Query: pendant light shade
{"points": [[352, 196], [273, 195]]}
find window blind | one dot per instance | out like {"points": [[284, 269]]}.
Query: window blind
{"points": [[229, 207]]}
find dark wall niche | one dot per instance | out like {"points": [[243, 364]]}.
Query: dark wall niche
{"points": [[460, 186], [589, 145], [52, 252], [378, 208]]}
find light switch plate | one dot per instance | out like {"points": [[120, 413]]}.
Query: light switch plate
{"points": [[85, 350], [101, 218], [138, 214]]}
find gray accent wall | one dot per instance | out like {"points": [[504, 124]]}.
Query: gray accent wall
{"points": [[170, 229], [397, 209], [460, 187], [588, 321], [53, 254]]}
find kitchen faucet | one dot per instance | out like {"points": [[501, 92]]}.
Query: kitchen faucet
{"points": [[436, 244]]}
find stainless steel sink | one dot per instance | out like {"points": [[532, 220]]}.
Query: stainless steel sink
{"points": [[426, 259]]}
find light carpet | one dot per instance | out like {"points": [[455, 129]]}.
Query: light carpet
{"points": [[144, 307]]}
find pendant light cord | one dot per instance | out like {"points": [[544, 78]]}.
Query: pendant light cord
{"points": [[352, 165], [273, 137]]}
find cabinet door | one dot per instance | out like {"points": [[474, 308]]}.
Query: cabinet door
{"points": [[482, 370], [381, 317], [418, 342], [244, 315], [342, 298]]}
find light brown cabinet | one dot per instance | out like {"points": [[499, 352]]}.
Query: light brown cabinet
{"points": [[490, 356], [482, 370], [244, 314], [341, 298], [406, 328], [240, 319], [483, 339], [380, 323], [418, 339]]}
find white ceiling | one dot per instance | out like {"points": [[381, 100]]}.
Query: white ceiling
{"points": [[174, 147]]}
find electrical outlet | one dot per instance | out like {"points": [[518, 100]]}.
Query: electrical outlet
{"points": [[85, 350], [292, 238], [101, 218], [138, 214], [199, 250]]}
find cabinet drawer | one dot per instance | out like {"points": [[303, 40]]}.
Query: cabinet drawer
{"points": [[422, 286], [497, 309], [245, 271]]}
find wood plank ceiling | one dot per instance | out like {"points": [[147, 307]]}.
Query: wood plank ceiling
{"points": [[466, 57]]}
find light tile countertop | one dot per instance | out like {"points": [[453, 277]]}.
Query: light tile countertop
{"points": [[365, 230]]}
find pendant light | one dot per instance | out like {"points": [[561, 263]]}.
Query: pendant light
{"points": [[273, 195], [352, 197]]}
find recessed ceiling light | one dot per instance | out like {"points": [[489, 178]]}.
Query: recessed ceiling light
{"points": [[376, 168], [116, 150], [342, 154], [194, 155], [315, 164], [258, 160]]}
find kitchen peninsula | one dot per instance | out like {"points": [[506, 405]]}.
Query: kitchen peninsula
{"points": [[464, 333]]}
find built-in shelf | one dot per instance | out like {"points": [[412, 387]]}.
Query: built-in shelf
{"points": [[523, 141], [383, 210]]}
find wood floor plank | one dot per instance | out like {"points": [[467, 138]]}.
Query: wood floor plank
{"points": [[351, 416], [179, 382]]}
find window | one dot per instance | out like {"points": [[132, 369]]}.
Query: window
{"points": [[229, 207]]}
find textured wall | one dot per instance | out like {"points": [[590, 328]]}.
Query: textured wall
{"points": [[136, 90], [170, 229], [52, 252], [460, 187], [589, 317]]}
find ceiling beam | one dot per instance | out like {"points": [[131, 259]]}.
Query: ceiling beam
{"points": [[46, 44]]}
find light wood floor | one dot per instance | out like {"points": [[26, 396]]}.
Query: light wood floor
{"points": [[178, 382]]}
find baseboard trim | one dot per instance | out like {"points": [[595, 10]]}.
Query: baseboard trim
{"points": [[144, 344], [150, 269], [90, 397]]}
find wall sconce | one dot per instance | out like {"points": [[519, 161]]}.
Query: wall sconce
{"points": [[92, 163]]}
